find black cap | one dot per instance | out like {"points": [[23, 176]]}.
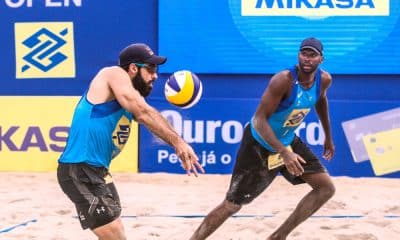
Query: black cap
{"points": [[313, 44], [139, 53]]}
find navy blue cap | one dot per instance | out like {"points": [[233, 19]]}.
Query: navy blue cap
{"points": [[139, 53], [313, 44]]}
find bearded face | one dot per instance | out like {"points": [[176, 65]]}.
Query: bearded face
{"points": [[141, 85]]}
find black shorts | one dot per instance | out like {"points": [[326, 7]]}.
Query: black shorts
{"points": [[92, 191], [251, 175]]}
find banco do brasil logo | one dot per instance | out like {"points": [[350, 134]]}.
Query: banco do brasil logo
{"points": [[44, 50], [120, 135]]}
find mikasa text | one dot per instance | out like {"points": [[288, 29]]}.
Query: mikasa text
{"points": [[315, 4]]}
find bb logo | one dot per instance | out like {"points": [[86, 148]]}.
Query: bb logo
{"points": [[44, 50], [296, 117], [121, 134]]}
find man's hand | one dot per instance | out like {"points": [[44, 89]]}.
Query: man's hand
{"points": [[190, 162], [329, 149], [293, 162]]}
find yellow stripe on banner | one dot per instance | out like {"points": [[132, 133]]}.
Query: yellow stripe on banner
{"points": [[33, 133]]}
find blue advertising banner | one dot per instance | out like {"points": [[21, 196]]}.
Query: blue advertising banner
{"points": [[55, 47], [263, 36], [214, 129]]}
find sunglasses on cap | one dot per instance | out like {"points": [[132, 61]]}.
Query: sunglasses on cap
{"points": [[152, 68]]}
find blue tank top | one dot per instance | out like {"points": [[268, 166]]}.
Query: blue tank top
{"points": [[291, 111], [98, 133]]}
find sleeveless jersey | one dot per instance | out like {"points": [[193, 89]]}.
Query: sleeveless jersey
{"points": [[291, 111], [98, 133]]}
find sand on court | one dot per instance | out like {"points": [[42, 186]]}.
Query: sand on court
{"points": [[363, 208]]}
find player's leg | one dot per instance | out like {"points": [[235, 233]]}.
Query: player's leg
{"points": [[250, 177], [215, 219], [322, 190], [95, 197], [111, 231], [109, 225]]}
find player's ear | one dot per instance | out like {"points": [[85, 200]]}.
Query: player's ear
{"points": [[322, 59], [133, 68]]}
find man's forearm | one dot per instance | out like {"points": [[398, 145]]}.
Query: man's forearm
{"points": [[158, 125], [323, 114]]}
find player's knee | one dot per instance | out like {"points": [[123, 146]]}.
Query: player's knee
{"points": [[231, 207], [113, 236], [111, 231], [327, 191]]}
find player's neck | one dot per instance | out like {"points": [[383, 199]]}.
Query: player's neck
{"points": [[305, 79]]}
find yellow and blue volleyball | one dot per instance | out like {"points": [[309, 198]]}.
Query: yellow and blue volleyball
{"points": [[183, 89]]}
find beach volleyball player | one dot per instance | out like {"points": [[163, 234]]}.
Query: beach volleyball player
{"points": [[99, 130]]}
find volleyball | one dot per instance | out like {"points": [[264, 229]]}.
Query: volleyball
{"points": [[183, 89]]}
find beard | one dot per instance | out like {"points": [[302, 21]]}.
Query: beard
{"points": [[140, 85]]}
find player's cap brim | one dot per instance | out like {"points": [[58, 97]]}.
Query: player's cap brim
{"points": [[158, 60], [311, 48]]}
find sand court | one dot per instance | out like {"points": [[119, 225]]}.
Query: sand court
{"points": [[171, 206]]}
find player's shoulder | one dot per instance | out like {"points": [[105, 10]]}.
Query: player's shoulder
{"points": [[325, 74], [280, 81], [283, 77], [112, 72], [326, 78]]}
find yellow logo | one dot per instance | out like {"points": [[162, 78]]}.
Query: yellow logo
{"points": [[121, 134], [276, 160], [44, 50], [296, 117]]}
